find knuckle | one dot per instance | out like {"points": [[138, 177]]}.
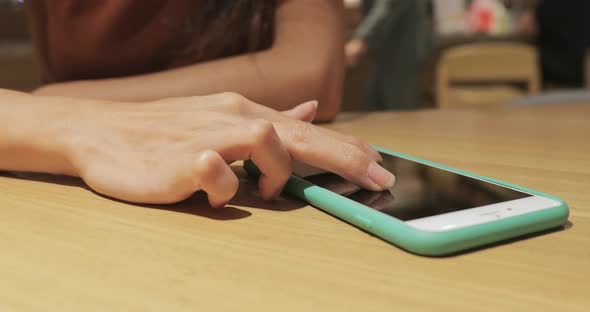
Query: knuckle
{"points": [[301, 134], [368, 149], [347, 138], [263, 131], [367, 146], [354, 141], [231, 96], [353, 158], [234, 101], [207, 163], [209, 157]]}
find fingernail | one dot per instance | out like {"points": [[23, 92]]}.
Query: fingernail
{"points": [[380, 176]]}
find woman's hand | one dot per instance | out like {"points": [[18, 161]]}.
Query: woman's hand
{"points": [[164, 151]]}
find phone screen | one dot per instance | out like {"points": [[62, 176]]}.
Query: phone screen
{"points": [[420, 190]]}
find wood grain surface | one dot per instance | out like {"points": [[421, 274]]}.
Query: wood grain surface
{"points": [[64, 248]]}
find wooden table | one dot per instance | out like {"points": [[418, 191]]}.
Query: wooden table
{"points": [[63, 248]]}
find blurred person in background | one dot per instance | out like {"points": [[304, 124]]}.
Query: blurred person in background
{"points": [[397, 36], [277, 52], [562, 35]]}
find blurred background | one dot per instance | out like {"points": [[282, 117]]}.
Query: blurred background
{"points": [[414, 54], [18, 69], [466, 53]]}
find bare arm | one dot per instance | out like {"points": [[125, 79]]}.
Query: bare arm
{"points": [[134, 153], [305, 63], [30, 133]]}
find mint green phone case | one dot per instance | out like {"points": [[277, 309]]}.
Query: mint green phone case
{"points": [[423, 242]]}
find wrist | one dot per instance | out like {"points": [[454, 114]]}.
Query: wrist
{"points": [[37, 132]]}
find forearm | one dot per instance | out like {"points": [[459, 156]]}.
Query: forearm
{"points": [[264, 77], [31, 131], [305, 63]]}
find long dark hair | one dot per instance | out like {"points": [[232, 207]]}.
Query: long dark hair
{"points": [[224, 28]]}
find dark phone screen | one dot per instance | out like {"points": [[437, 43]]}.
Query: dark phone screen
{"points": [[419, 191]]}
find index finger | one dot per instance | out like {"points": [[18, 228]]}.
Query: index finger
{"points": [[308, 144]]}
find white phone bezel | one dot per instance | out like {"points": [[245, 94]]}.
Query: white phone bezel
{"points": [[483, 214], [467, 217]]}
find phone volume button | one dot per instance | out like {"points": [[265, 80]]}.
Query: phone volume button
{"points": [[363, 221]]}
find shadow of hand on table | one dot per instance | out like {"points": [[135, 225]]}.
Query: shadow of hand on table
{"points": [[246, 197]]}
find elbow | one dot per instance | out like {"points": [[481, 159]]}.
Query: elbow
{"points": [[327, 113], [322, 82]]}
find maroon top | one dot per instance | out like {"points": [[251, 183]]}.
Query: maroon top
{"points": [[90, 39]]}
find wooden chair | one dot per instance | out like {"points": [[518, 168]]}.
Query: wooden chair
{"points": [[486, 71]]}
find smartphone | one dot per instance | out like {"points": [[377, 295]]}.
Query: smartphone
{"points": [[432, 209]]}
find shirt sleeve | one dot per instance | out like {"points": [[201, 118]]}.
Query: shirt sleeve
{"points": [[382, 14]]}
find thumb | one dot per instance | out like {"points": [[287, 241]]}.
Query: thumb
{"points": [[304, 112]]}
